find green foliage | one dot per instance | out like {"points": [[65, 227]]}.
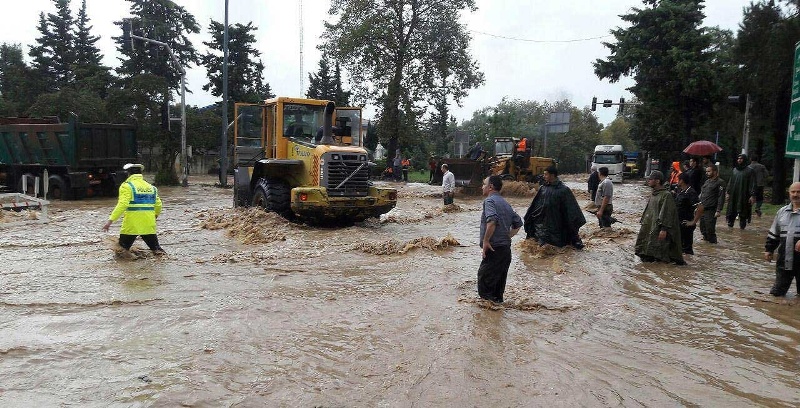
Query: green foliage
{"points": [[203, 128], [327, 85], [618, 133], [763, 53], [164, 21], [398, 53], [85, 104], [669, 56], [245, 69], [17, 82]]}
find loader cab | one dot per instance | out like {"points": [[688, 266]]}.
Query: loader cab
{"points": [[504, 146], [348, 124]]}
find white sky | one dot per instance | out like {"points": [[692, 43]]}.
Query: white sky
{"points": [[517, 69]]}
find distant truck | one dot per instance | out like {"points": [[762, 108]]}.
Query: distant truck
{"points": [[612, 157], [80, 159]]}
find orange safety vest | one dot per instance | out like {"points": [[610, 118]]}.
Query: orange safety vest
{"points": [[522, 145]]}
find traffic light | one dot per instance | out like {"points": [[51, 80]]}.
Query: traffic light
{"points": [[594, 104], [607, 103], [621, 105], [127, 41]]}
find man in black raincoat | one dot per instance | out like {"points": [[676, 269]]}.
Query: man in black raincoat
{"points": [[741, 192], [554, 216]]}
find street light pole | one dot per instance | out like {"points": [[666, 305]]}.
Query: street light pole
{"points": [[184, 159], [746, 132]]}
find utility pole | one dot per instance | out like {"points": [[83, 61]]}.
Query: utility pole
{"points": [[128, 35], [302, 84], [223, 146]]}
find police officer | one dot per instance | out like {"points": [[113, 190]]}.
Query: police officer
{"points": [[140, 203]]}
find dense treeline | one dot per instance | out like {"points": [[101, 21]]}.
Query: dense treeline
{"points": [[412, 60]]}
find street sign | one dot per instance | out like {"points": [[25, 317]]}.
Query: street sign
{"points": [[793, 134]]}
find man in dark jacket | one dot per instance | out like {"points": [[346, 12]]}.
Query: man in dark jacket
{"points": [[741, 192], [594, 181], [554, 216], [686, 200]]}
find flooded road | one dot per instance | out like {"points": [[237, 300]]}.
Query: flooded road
{"points": [[249, 310]]}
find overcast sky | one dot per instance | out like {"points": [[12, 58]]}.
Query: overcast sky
{"points": [[526, 48]]}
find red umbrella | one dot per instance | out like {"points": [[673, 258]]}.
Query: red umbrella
{"points": [[702, 148]]}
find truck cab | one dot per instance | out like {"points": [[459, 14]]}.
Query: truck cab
{"points": [[612, 157]]}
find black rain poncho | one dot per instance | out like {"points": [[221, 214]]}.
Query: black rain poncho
{"points": [[554, 216]]}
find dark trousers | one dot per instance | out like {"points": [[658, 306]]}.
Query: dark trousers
{"points": [[759, 199], [687, 236], [405, 174], [448, 197], [783, 278], [708, 226], [731, 217], [593, 193], [605, 217], [126, 241], [493, 272]]}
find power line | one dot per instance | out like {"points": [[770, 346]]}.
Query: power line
{"points": [[540, 41]]}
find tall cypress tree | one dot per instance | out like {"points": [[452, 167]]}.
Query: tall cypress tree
{"points": [[245, 70]]}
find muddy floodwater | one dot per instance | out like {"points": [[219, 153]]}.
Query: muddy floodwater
{"points": [[248, 310]]}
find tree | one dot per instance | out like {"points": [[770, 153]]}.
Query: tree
{"points": [[245, 69], [326, 85], [391, 48], [16, 81], [87, 65], [164, 21], [668, 54], [763, 52], [54, 56]]}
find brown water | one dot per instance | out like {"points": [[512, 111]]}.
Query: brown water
{"points": [[313, 317]]}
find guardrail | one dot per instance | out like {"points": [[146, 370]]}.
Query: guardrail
{"points": [[18, 202]]}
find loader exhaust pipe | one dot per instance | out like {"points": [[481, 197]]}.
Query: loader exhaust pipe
{"points": [[327, 128]]}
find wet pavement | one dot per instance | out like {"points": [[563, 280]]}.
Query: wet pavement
{"points": [[248, 310]]}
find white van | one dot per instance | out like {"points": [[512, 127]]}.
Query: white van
{"points": [[611, 156]]}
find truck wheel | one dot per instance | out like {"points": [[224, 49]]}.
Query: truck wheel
{"points": [[273, 196], [58, 188]]}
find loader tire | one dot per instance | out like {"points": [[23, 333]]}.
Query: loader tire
{"points": [[273, 196]]}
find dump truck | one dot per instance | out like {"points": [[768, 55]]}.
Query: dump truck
{"points": [[290, 159], [79, 159], [512, 164]]}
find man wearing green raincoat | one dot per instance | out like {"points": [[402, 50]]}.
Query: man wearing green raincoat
{"points": [[741, 192], [659, 238]]}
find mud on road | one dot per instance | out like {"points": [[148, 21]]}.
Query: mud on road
{"points": [[250, 310]]}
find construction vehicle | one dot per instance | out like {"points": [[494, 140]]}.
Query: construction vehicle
{"points": [[512, 164], [291, 160], [506, 162], [74, 160], [631, 165]]}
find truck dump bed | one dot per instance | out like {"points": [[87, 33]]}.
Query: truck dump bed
{"points": [[80, 146]]}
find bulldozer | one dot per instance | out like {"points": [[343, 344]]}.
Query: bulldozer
{"points": [[512, 164], [290, 159]]}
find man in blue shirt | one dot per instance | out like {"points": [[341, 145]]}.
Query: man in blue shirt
{"points": [[499, 222]]}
